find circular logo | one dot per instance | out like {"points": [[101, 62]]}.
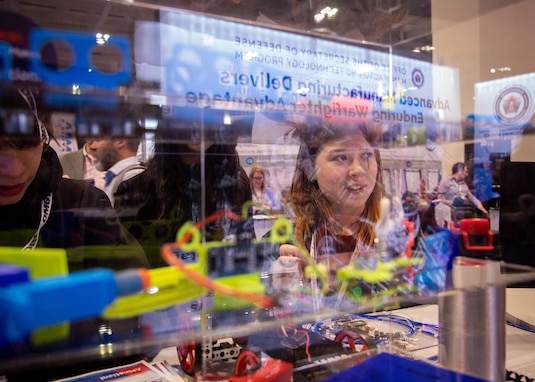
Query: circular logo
{"points": [[512, 105], [417, 78], [249, 161]]}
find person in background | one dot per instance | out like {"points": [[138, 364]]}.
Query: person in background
{"points": [[157, 202], [80, 164], [264, 199], [41, 208], [115, 153], [335, 193], [425, 195], [454, 192]]}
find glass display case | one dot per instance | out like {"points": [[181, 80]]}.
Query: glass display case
{"points": [[228, 190]]}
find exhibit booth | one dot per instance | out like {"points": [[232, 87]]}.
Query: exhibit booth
{"points": [[284, 212]]}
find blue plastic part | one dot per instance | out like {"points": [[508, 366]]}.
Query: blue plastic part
{"points": [[13, 274], [128, 282], [386, 367], [25, 307]]}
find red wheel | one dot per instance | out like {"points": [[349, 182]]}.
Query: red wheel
{"points": [[367, 342], [346, 335], [187, 355], [247, 361]]}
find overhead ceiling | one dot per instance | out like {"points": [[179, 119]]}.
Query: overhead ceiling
{"points": [[402, 24], [389, 22]]}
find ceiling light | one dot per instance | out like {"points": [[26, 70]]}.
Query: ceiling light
{"points": [[102, 38], [330, 12], [326, 12], [318, 17], [500, 69], [427, 48]]}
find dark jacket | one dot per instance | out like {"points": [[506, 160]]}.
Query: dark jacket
{"points": [[154, 215], [81, 220]]}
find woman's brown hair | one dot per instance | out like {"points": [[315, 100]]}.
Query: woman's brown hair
{"points": [[309, 205]]}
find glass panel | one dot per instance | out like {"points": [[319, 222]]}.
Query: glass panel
{"points": [[252, 163]]}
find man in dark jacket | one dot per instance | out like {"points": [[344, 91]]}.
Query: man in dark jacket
{"points": [[39, 208]]}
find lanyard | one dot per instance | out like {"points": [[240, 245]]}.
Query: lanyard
{"points": [[46, 206]]}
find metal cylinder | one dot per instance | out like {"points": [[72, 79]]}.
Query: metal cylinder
{"points": [[472, 331]]}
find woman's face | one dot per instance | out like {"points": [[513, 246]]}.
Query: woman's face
{"points": [[258, 180], [346, 172], [18, 167]]}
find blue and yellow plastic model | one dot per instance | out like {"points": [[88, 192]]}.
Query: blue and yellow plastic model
{"points": [[233, 271], [31, 297]]}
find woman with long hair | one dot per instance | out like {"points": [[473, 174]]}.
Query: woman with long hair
{"points": [[264, 199], [335, 193], [169, 193]]}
